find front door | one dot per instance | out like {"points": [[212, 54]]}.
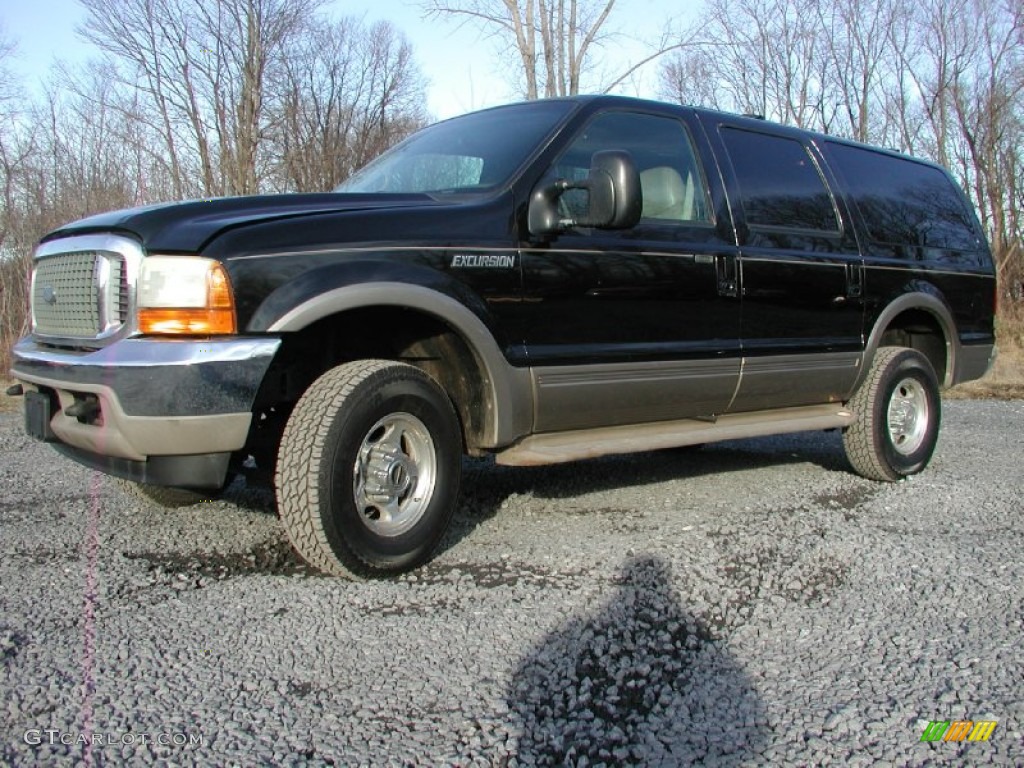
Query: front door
{"points": [[641, 325]]}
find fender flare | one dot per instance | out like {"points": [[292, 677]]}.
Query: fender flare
{"points": [[926, 302], [510, 410]]}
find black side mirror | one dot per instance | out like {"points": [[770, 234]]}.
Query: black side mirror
{"points": [[615, 199]]}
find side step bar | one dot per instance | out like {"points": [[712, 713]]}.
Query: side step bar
{"points": [[558, 447]]}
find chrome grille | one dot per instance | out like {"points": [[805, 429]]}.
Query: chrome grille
{"points": [[79, 295], [119, 290]]}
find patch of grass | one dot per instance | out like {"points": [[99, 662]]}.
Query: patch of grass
{"points": [[8, 404]]}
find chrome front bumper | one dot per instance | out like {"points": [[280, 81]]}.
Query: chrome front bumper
{"points": [[157, 398]]}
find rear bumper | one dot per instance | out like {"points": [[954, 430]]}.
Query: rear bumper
{"points": [[170, 411]]}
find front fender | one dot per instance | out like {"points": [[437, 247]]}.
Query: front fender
{"points": [[509, 388], [307, 289]]}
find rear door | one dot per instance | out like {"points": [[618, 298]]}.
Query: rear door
{"points": [[801, 274]]}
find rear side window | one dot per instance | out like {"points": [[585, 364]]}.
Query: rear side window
{"points": [[904, 204], [780, 185]]}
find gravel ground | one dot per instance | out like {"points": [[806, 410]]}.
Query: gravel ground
{"points": [[748, 603]]}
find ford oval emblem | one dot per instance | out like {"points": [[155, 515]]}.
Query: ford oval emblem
{"points": [[49, 294]]}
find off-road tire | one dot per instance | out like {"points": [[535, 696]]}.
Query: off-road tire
{"points": [[898, 411], [371, 437]]}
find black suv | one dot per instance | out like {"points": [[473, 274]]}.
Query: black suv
{"points": [[544, 282]]}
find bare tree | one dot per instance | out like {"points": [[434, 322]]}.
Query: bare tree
{"points": [[191, 98], [15, 148], [942, 78], [10, 159], [68, 155], [205, 68], [234, 95], [555, 41], [856, 40], [967, 64], [346, 94], [10, 89], [755, 56]]}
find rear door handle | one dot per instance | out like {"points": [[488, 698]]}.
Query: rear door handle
{"points": [[854, 280]]}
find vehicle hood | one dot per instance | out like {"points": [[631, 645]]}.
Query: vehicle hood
{"points": [[186, 227]]}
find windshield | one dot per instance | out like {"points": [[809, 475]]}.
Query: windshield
{"points": [[473, 153]]}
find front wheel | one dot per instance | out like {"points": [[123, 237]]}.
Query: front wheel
{"points": [[898, 410], [368, 469]]}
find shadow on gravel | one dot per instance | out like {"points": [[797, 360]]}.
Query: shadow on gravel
{"points": [[608, 472], [638, 684], [251, 497], [270, 558], [486, 486]]}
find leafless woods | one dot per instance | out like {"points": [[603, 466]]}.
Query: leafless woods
{"points": [[942, 79], [189, 98]]}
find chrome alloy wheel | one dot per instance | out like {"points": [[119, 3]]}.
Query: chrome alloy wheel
{"points": [[908, 416], [395, 474]]}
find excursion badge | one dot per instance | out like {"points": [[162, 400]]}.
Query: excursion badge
{"points": [[484, 260]]}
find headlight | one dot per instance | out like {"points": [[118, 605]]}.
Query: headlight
{"points": [[185, 295]]}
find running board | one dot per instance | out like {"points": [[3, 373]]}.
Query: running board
{"points": [[558, 447]]}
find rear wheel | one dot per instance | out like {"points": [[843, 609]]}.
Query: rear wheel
{"points": [[368, 469], [898, 412]]}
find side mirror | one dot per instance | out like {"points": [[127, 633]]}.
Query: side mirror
{"points": [[615, 198]]}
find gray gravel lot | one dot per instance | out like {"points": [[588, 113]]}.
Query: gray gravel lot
{"points": [[747, 603]]}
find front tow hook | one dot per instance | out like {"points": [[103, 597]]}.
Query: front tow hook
{"points": [[85, 409]]}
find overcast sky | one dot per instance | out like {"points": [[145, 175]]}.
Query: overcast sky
{"points": [[460, 65]]}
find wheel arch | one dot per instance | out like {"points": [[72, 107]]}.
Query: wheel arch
{"points": [[920, 321], [451, 344]]}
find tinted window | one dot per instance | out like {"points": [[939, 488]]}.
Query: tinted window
{"points": [[475, 152], [670, 178], [780, 185], [904, 203]]}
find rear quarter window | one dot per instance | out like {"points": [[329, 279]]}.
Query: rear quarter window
{"points": [[910, 210]]}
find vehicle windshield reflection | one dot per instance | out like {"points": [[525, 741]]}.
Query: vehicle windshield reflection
{"points": [[474, 153]]}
